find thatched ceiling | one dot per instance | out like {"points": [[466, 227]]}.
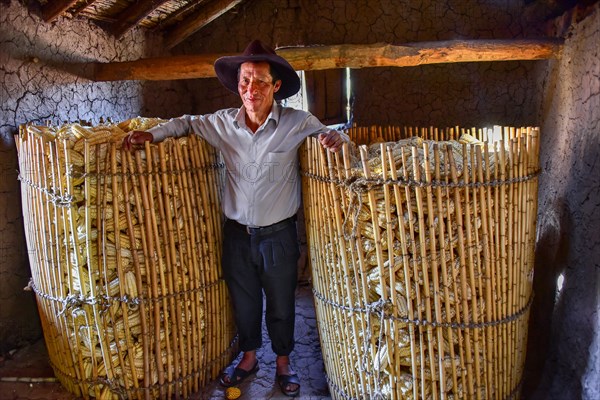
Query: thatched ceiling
{"points": [[175, 19]]}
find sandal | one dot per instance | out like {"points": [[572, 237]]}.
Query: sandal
{"points": [[236, 375], [284, 380]]}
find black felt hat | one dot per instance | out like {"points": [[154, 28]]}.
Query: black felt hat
{"points": [[227, 69]]}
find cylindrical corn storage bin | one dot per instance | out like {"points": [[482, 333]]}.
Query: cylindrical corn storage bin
{"points": [[124, 249], [421, 246]]}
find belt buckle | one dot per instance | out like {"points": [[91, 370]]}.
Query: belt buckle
{"points": [[250, 230]]}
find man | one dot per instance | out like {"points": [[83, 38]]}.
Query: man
{"points": [[259, 143]]}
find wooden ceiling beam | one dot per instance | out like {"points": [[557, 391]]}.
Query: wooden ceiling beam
{"points": [[80, 7], [53, 9], [193, 23], [178, 15], [342, 56], [133, 14]]}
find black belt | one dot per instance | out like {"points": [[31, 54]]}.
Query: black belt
{"points": [[264, 230]]}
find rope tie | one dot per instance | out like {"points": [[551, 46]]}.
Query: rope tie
{"points": [[371, 182], [208, 167], [59, 200], [76, 301], [355, 189], [355, 186], [73, 301], [423, 322], [375, 308]]}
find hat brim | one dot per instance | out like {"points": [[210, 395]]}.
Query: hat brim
{"points": [[227, 68]]}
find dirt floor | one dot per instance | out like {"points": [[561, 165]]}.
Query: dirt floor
{"points": [[26, 374]]}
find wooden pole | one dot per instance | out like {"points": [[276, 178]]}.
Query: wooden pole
{"points": [[53, 9], [206, 15], [341, 56]]}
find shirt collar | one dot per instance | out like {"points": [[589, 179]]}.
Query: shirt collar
{"points": [[240, 117]]}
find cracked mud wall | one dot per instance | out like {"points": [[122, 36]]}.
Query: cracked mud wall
{"points": [[43, 79], [564, 344], [474, 94]]}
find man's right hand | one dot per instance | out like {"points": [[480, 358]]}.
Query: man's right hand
{"points": [[136, 138]]}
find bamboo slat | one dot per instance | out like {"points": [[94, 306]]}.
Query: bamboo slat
{"points": [[421, 247], [125, 259]]}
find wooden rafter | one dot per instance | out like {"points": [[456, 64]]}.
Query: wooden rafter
{"points": [[178, 15], [130, 17], [53, 9], [341, 56], [79, 7], [203, 17]]}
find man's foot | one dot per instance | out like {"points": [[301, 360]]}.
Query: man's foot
{"points": [[234, 375], [287, 379]]}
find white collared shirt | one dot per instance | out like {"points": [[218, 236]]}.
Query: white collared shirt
{"points": [[263, 182]]}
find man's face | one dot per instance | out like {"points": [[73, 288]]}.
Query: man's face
{"points": [[256, 87]]}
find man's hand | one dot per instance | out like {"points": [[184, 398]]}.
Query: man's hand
{"points": [[136, 138], [332, 140]]}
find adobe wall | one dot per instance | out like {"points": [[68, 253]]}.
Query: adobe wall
{"points": [[564, 343], [42, 80], [477, 94]]}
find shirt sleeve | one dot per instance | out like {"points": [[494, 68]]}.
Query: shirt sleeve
{"points": [[319, 128], [175, 127], [206, 126]]}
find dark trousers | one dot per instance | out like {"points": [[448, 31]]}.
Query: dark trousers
{"points": [[253, 263]]}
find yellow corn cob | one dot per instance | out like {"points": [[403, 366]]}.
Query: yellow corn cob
{"points": [[117, 133], [78, 180], [87, 352], [80, 284], [113, 287], [42, 131], [137, 233], [76, 158], [381, 358], [124, 240], [123, 224], [87, 368], [107, 394], [367, 230], [82, 233], [465, 138], [403, 351], [107, 195], [110, 249], [131, 285], [106, 212], [78, 257], [134, 318], [101, 370], [80, 132], [402, 305], [100, 154], [102, 136]]}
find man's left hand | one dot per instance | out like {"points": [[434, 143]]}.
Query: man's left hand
{"points": [[332, 140]]}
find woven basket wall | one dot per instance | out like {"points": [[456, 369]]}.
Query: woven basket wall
{"points": [[124, 249], [421, 246]]}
